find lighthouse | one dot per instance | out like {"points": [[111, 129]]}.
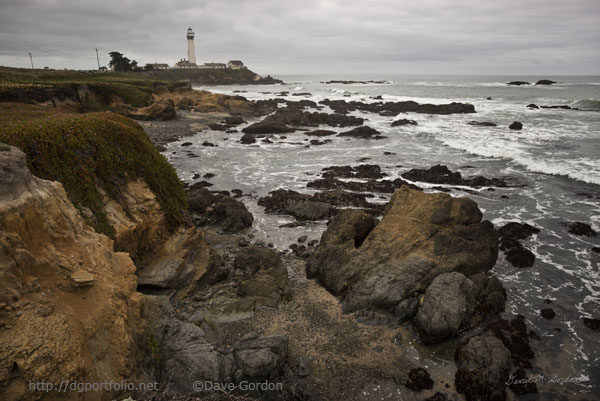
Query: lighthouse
{"points": [[191, 51]]}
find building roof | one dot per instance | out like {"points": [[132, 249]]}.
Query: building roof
{"points": [[235, 62]]}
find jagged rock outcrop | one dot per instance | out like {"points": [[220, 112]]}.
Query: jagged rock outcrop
{"points": [[69, 309], [384, 268]]}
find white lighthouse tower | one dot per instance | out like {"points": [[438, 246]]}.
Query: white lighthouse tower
{"points": [[191, 50]]}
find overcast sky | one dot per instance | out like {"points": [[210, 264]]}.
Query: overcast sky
{"points": [[511, 37]]}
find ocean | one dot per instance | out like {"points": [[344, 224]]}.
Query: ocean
{"points": [[552, 164]]}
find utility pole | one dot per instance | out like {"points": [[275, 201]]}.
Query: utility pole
{"points": [[31, 59], [98, 58]]}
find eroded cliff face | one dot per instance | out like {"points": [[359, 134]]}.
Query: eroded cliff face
{"points": [[69, 309], [139, 222]]}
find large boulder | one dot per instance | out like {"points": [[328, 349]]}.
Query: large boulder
{"points": [[384, 267], [446, 307], [484, 366]]}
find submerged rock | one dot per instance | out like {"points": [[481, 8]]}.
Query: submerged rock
{"points": [[592, 324], [518, 83], [515, 252], [363, 133], [403, 121], [545, 82], [516, 125], [582, 229]]}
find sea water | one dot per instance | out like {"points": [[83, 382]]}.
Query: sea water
{"points": [[553, 164]]}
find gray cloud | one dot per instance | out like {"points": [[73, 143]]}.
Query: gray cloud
{"points": [[332, 36]]}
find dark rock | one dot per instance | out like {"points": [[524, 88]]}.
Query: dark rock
{"points": [[243, 242], [208, 144], [218, 127], [266, 140], [596, 249], [484, 366], [362, 132], [519, 383], [518, 83], [515, 338], [383, 186], [233, 120], [592, 324], [195, 176], [320, 132], [299, 118], [302, 94], [516, 125], [440, 174], [580, 229], [515, 252], [389, 153], [219, 210], [533, 106], [403, 121], [419, 379], [248, 139], [186, 144], [268, 126], [318, 206], [302, 239], [548, 313], [372, 171], [388, 113], [517, 230], [545, 82], [482, 123], [316, 142], [208, 175]]}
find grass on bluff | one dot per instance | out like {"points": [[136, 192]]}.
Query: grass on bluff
{"points": [[91, 150], [22, 85]]}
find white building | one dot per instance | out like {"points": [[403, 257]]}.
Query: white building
{"points": [[235, 65], [215, 66]]}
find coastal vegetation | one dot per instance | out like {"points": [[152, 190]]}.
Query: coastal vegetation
{"points": [[91, 152]]}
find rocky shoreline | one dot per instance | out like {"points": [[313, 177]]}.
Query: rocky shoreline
{"points": [[210, 300]]}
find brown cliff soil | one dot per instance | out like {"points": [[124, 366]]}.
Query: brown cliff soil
{"points": [[69, 309]]}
